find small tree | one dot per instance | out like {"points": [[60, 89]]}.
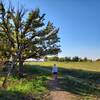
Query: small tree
{"points": [[75, 59], [85, 59], [61, 59], [27, 36], [68, 59]]}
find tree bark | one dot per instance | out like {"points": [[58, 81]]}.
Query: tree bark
{"points": [[4, 84], [20, 68]]}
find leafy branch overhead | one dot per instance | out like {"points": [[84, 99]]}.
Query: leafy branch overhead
{"points": [[26, 33]]}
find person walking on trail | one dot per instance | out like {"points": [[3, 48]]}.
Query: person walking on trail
{"points": [[55, 71]]}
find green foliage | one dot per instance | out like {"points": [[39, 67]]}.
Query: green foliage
{"points": [[28, 37], [26, 86], [73, 78], [35, 86], [98, 60], [75, 59], [53, 58], [68, 59], [25, 35]]}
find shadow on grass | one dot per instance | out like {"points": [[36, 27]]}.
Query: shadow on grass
{"points": [[76, 81], [46, 70], [37, 70], [73, 80], [14, 95], [78, 86]]}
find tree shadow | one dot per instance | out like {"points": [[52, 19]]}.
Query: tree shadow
{"points": [[14, 95], [76, 81], [78, 86], [37, 70], [77, 73]]}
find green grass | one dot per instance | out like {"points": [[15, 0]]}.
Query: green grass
{"points": [[88, 66], [35, 86], [78, 78]]}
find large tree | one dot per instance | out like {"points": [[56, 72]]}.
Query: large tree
{"points": [[27, 35]]}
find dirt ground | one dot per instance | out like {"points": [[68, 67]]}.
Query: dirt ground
{"points": [[56, 93]]}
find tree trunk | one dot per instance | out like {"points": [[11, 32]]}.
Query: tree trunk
{"points": [[20, 68], [4, 85]]}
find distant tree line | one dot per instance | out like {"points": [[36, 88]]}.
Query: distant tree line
{"points": [[68, 59], [97, 59]]}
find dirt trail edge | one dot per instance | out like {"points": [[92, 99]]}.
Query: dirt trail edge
{"points": [[56, 93]]}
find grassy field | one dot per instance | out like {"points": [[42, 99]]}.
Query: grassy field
{"points": [[88, 66], [82, 79]]}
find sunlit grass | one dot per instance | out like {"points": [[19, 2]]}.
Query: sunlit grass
{"points": [[88, 66], [77, 77], [25, 86]]}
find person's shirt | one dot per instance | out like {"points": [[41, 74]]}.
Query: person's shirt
{"points": [[54, 69]]}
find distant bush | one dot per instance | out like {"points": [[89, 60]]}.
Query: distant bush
{"points": [[76, 59], [68, 59], [98, 60], [61, 59], [53, 58]]}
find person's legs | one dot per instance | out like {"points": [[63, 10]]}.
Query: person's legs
{"points": [[55, 76]]}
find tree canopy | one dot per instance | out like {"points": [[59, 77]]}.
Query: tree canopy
{"points": [[25, 35]]}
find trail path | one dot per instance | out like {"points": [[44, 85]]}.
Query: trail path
{"points": [[56, 93]]}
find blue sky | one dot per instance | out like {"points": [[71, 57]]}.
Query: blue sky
{"points": [[79, 23]]}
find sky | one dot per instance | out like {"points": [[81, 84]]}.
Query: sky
{"points": [[78, 20]]}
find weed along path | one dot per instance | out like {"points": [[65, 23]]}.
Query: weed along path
{"points": [[57, 93]]}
